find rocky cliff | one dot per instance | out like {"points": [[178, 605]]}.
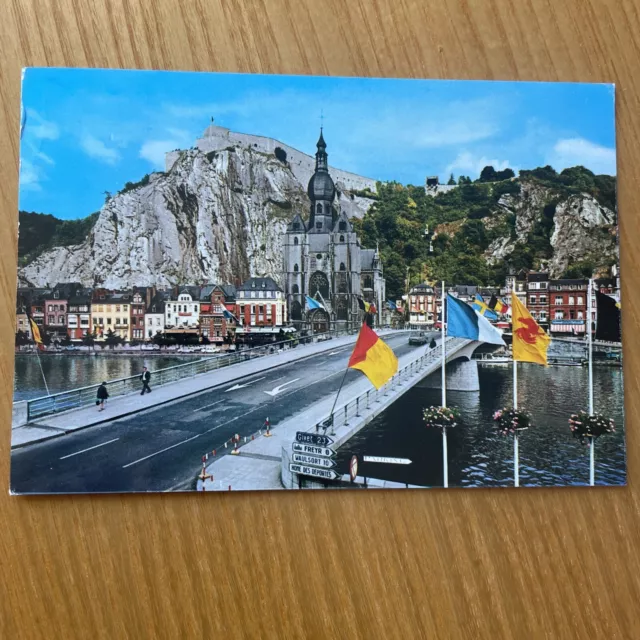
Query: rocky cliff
{"points": [[577, 227], [214, 217]]}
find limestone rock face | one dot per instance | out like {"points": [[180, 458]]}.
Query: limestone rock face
{"points": [[213, 217], [582, 228]]}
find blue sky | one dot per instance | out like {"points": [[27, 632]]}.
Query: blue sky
{"points": [[89, 131]]}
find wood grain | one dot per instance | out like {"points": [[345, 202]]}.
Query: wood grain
{"points": [[560, 563]]}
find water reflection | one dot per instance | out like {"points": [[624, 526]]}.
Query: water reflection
{"points": [[478, 456]]}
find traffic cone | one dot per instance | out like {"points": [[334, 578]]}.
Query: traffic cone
{"points": [[268, 428]]}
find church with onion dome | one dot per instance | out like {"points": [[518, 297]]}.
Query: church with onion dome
{"points": [[323, 260]]}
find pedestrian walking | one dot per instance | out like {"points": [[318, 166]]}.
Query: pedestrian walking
{"points": [[432, 344], [102, 396], [145, 377]]}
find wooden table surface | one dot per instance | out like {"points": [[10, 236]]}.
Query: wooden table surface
{"points": [[496, 563]]}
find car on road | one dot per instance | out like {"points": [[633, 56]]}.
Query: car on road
{"points": [[418, 338]]}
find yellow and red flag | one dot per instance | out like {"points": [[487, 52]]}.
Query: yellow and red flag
{"points": [[373, 357], [35, 332], [530, 341]]}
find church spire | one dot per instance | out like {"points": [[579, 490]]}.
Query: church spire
{"points": [[321, 154]]}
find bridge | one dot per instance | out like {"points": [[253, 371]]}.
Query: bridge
{"points": [[155, 442]]}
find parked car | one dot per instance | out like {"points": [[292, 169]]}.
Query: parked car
{"points": [[419, 338]]}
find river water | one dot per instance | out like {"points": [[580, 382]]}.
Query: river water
{"points": [[478, 455], [65, 371]]}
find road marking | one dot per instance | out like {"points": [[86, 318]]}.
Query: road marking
{"points": [[242, 386], [333, 353], [159, 452], [77, 453], [206, 406], [276, 390]]}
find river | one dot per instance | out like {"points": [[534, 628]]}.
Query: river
{"points": [[478, 456], [66, 371]]}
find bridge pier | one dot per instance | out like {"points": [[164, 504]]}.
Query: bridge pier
{"points": [[462, 375]]}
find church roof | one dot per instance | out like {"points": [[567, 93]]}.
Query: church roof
{"points": [[366, 259], [296, 220], [321, 186], [342, 217]]}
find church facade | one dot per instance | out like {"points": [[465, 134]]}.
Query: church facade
{"points": [[323, 259]]}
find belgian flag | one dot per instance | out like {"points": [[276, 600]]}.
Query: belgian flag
{"points": [[35, 332], [608, 327], [373, 357]]}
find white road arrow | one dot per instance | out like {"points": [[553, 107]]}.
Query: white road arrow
{"points": [[242, 386], [276, 390]]}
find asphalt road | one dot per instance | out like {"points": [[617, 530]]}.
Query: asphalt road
{"points": [[161, 449]]}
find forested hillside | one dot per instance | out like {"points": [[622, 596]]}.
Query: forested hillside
{"points": [[474, 233]]}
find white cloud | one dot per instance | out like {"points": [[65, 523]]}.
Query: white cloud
{"points": [[155, 150], [467, 163], [97, 149], [29, 176], [40, 128], [570, 152]]}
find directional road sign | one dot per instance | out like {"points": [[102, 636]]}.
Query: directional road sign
{"points": [[314, 461], [313, 449], [314, 438], [302, 469], [386, 460]]}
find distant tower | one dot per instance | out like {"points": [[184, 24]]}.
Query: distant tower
{"points": [[321, 192]]}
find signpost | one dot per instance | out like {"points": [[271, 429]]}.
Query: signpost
{"points": [[325, 474], [386, 460], [314, 438], [315, 461], [313, 450]]}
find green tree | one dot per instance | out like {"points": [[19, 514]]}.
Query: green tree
{"points": [[22, 338], [113, 339], [66, 341], [89, 339], [451, 179]]}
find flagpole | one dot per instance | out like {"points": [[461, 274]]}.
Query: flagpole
{"points": [[516, 453], [445, 456], [46, 386], [590, 348]]}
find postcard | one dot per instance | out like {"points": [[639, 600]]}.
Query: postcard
{"points": [[232, 282]]}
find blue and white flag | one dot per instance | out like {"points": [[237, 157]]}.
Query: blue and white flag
{"points": [[313, 304], [391, 306], [228, 315], [465, 322], [483, 309]]}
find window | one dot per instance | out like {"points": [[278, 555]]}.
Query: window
{"points": [[117, 308], [558, 300], [108, 308], [295, 268], [342, 267], [532, 299], [295, 241], [572, 314], [51, 319], [253, 294], [319, 208], [543, 299], [341, 238], [580, 315], [342, 226], [260, 294], [253, 309], [295, 289], [580, 300], [318, 256], [195, 308], [559, 315], [108, 320], [543, 285], [572, 300], [61, 307], [318, 224], [56, 294], [50, 307], [296, 226]]}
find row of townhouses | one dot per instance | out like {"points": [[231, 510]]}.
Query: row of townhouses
{"points": [[213, 310], [559, 306]]}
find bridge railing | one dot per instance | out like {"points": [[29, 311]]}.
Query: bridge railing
{"points": [[352, 409], [86, 396]]}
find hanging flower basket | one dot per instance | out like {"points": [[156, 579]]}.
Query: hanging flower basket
{"points": [[584, 427], [440, 417], [509, 420]]}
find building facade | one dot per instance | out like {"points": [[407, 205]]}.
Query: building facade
{"points": [[422, 307], [214, 323], [568, 306], [154, 316], [538, 297], [323, 260], [260, 303], [183, 310], [110, 312], [79, 316]]}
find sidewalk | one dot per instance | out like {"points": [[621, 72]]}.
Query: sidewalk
{"points": [[259, 464], [59, 424]]}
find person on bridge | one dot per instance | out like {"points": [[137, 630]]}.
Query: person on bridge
{"points": [[101, 396], [145, 377], [432, 344]]}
